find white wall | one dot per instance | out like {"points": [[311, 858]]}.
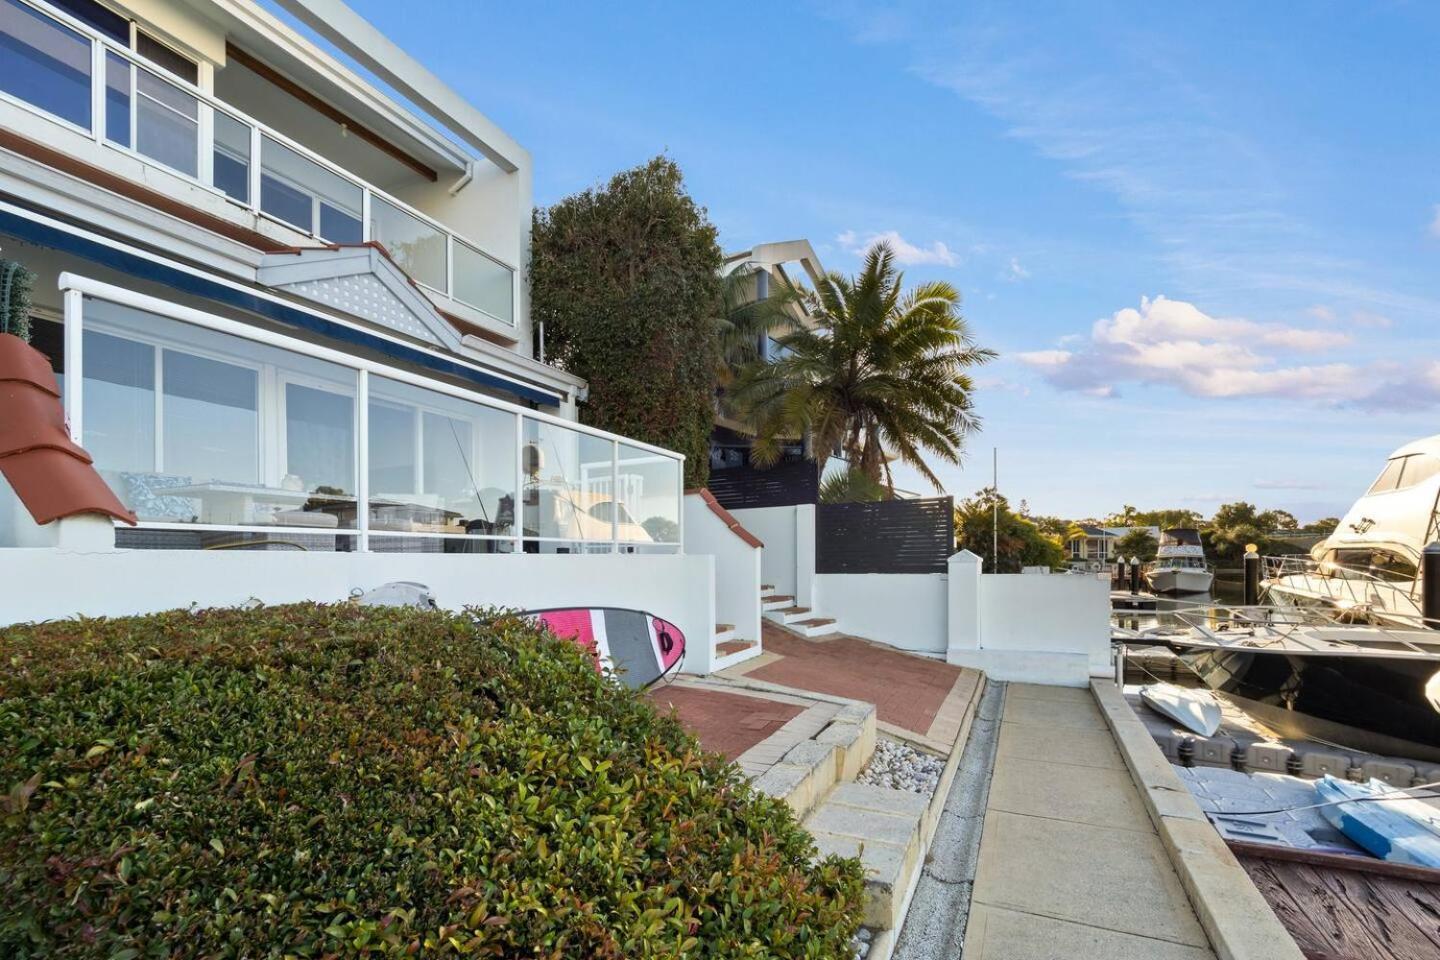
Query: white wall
{"points": [[42, 584], [1052, 629], [903, 610], [775, 526], [737, 566]]}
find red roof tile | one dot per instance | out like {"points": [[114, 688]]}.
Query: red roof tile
{"points": [[50, 474], [725, 515]]}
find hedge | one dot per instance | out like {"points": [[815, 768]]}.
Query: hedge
{"points": [[318, 781]]}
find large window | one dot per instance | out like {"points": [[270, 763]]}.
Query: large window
{"points": [[44, 63], [648, 487], [439, 466], [192, 426], [304, 194]]}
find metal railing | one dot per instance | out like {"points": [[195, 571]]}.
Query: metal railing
{"points": [[66, 71], [1350, 591]]}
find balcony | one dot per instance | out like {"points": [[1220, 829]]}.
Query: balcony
{"points": [[70, 73]]}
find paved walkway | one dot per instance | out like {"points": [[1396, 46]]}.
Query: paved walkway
{"points": [[1070, 865], [919, 695], [728, 723]]}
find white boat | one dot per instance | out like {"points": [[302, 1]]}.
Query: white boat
{"points": [[1179, 565], [1367, 569], [1196, 710]]}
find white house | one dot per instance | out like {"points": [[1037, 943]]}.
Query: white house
{"points": [[289, 318]]}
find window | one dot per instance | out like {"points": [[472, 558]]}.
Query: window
{"points": [[102, 19], [649, 490], [44, 63], [1389, 478], [304, 194], [167, 123], [162, 56], [117, 99], [1419, 468], [230, 168], [192, 426], [415, 245]]}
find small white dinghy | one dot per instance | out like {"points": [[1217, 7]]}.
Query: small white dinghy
{"points": [[1196, 710]]}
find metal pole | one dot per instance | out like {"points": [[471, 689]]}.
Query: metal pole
{"points": [[1134, 575], [1430, 586], [995, 510], [1252, 575]]}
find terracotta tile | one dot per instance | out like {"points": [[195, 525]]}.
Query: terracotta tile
{"points": [[728, 723]]}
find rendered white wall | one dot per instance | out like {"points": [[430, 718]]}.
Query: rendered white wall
{"points": [[775, 526], [42, 584], [905, 610], [737, 567]]}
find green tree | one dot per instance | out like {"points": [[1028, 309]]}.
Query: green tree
{"points": [[625, 279], [1138, 543], [1325, 525], [851, 486], [882, 371], [1021, 543]]}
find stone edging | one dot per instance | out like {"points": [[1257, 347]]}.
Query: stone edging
{"points": [[1234, 915]]}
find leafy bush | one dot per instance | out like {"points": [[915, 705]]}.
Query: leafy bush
{"points": [[625, 278], [338, 781]]}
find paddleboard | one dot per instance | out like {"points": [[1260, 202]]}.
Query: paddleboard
{"points": [[638, 647], [1196, 710], [1397, 828]]}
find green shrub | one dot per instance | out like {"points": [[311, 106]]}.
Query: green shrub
{"points": [[338, 781]]}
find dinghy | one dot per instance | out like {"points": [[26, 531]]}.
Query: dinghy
{"points": [[1196, 710], [1388, 823], [639, 647]]}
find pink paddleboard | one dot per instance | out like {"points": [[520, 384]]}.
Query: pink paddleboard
{"points": [[639, 647]]}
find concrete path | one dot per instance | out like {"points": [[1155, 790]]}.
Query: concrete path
{"points": [[1070, 865]]}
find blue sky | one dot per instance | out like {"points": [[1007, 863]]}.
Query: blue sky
{"points": [[1203, 238]]}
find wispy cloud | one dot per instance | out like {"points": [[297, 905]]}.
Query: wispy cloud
{"points": [[1014, 272], [906, 253], [1435, 221], [1285, 485]]}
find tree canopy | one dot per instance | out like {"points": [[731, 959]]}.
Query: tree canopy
{"points": [[625, 279], [1021, 542], [1138, 544]]}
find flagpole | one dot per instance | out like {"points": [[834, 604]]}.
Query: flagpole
{"points": [[995, 510]]}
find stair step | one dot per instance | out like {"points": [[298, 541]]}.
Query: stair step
{"points": [[882, 827], [724, 632], [724, 627], [734, 646], [815, 627], [776, 601]]}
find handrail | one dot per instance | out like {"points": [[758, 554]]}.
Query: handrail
{"points": [[206, 143]]}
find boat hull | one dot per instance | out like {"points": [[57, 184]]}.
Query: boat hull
{"points": [[1169, 580], [1385, 695]]}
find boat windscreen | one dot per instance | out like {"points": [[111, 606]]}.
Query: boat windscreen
{"points": [[1180, 537]]}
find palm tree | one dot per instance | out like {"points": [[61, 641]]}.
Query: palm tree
{"points": [[882, 370], [744, 324]]}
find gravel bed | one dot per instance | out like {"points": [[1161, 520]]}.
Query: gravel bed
{"points": [[861, 943], [902, 767]]}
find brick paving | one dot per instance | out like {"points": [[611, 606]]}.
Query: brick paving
{"points": [[907, 690], [728, 723]]}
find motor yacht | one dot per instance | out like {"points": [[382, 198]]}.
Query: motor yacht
{"points": [[1179, 565]]}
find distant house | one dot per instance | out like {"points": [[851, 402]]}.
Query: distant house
{"points": [[1097, 548]]}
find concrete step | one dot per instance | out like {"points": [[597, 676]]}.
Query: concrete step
{"points": [[882, 827], [816, 627], [734, 645], [776, 601], [724, 632], [789, 614]]}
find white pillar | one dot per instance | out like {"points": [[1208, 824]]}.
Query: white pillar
{"points": [[805, 555], [963, 602]]}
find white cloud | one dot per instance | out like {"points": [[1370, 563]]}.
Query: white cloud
{"points": [[1286, 485], [1013, 271], [906, 253], [1175, 343]]}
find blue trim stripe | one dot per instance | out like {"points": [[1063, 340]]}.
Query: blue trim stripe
{"points": [[136, 266]]}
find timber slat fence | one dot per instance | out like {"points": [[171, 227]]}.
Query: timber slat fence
{"points": [[891, 536]]}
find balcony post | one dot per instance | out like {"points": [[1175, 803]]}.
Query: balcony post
{"points": [[97, 91]]}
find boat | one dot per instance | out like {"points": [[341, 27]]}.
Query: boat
{"points": [[1367, 569], [1387, 822], [1375, 678], [1196, 710], [1179, 565]]}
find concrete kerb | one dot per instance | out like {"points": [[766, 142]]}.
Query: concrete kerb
{"points": [[1233, 913]]}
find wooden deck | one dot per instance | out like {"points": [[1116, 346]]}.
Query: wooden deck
{"points": [[1348, 908]]}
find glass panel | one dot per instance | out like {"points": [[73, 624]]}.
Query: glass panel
{"points": [[231, 165], [106, 22], [649, 493], [381, 542], [439, 464], [569, 483], [1420, 468], [415, 245], [117, 99], [207, 538], [301, 192], [167, 123], [119, 402], [214, 405], [44, 63], [157, 53], [483, 283], [1389, 477], [320, 442]]}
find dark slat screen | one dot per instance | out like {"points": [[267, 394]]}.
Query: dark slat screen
{"points": [[783, 485], [892, 536]]}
